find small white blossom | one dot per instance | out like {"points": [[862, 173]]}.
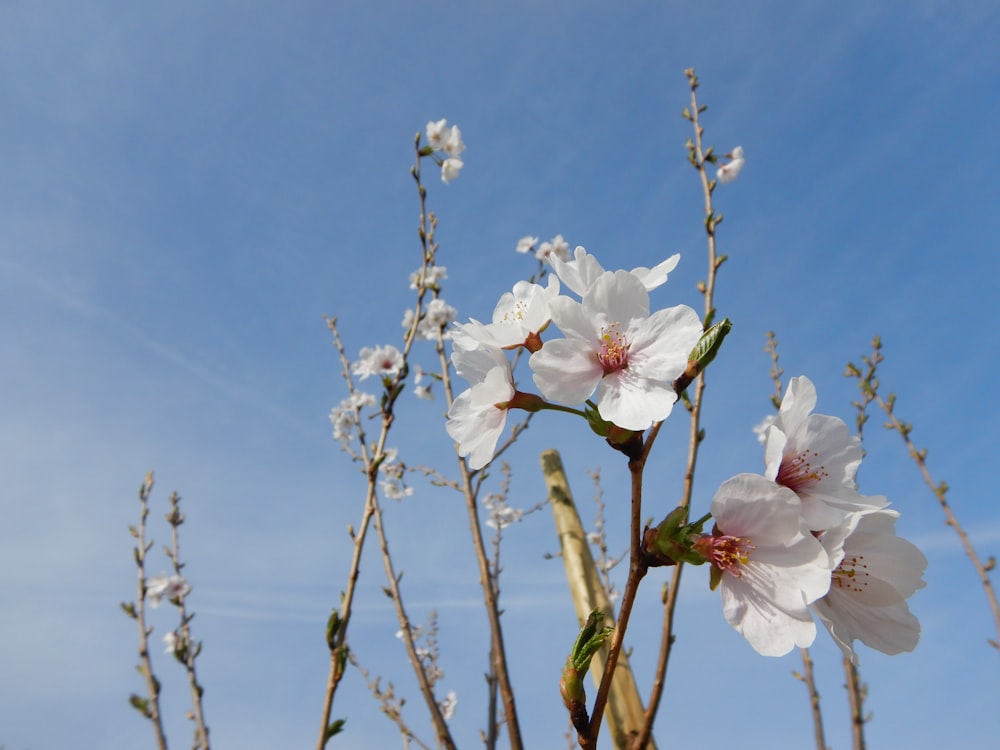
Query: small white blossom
{"points": [[448, 705], [518, 318], [450, 168], [454, 146], [438, 134], [383, 361], [557, 247], [423, 392], [477, 417], [428, 278], [161, 587], [729, 172], [501, 514], [526, 244], [760, 430]]}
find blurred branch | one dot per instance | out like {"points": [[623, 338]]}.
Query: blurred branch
{"points": [[187, 650], [869, 386], [150, 705]]}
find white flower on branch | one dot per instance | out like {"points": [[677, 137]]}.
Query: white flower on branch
{"points": [[878, 571], [171, 588], [478, 416], [518, 319], [729, 172], [615, 346], [450, 168], [816, 456], [448, 705], [383, 361], [771, 567]]}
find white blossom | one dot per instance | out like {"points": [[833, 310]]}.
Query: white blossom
{"points": [[615, 346], [729, 172], [876, 573], [448, 705], [816, 456], [771, 565], [450, 168], [526, 244], [383, 361], [477, 417], [171, 588], [518, 318]]}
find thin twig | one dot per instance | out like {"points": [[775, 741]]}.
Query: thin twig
{"points": [[189, 650], [856, 692], [371, 457], [150, 705], [699, 157], [869, 387]]}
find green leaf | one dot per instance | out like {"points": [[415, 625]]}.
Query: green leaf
{"points": [[334, 728]]}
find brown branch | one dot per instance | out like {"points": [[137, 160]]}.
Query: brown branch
{"points": [[869, 387], [699, 157], [149, 706], [856, 693], [189, 650]]}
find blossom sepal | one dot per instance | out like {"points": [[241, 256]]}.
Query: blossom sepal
{"points": [[671, 541]]}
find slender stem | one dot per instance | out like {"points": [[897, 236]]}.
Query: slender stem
{"points": [[810, 682], [426, 689], [191, 650], [636, 571], [869, 385], [151, 708], [856, 695], [697, 157], [370, 457]]}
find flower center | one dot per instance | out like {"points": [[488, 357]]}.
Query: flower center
{"points": [[851, 575], [613, 354], [797, 472], [728, 553]]}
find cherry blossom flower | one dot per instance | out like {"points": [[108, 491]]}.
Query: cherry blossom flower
{"points": [[438, 315], [438, 134], [383, 361], [450, 168], [428, 277], [581, 272], [477, 417], [518, 319], [448, 705], [161, 587], [453, 145], [615, 346], [526, 244], [876, 573], [816, 456], [501, 514], [729, 172], [771, 566], [557, 247], [343, 416]]}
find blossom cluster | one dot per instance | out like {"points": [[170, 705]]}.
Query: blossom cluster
{"points": [[802, 541], [615, 358], [442, 138]]}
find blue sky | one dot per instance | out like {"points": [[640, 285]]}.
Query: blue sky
{"points": [[186, 190]]}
